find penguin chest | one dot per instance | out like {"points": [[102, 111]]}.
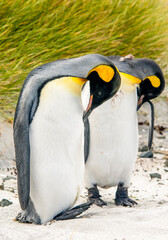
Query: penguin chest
{"points": [[113, 142], [56, 151]]}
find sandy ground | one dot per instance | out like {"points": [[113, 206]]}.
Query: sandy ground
{"points": [[146, 221]]}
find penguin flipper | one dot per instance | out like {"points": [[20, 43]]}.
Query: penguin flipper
{"points": [[86, 139], [149, 153], [151, 126], [22, 156], [73, 212]]}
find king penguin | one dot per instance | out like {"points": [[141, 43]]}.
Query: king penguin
{"points": [[111, 142], [49, 132]]}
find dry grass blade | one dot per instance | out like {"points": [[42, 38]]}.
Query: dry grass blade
{"points": [[35, 32]]}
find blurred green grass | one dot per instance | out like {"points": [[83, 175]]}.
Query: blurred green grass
{"points": [[34, 32]]}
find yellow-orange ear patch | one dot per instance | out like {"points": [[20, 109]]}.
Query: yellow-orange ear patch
{"points": [[155, 81], [105, 72]]}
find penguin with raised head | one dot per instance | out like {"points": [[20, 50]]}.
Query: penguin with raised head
{"points": [[49, 134], [113, 139]]}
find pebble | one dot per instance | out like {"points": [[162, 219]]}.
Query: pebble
{"points": [[166, 163], [155, 175], [9, 178], [148, 154], [5, 203], [161, 137]]}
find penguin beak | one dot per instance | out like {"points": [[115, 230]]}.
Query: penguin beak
{"points": [[140, 101], [89, 109]]}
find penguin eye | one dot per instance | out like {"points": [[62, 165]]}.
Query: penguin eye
{"points": [[150, 94], [98, 93]]}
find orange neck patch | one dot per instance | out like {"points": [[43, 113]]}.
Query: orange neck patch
{"points": [[130, 79]]}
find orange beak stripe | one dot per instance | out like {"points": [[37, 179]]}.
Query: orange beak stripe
{"points": [[90, 103]]}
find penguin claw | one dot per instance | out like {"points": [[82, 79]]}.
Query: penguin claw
{"points": [[22, 217], [98, 201], [126, 202]]}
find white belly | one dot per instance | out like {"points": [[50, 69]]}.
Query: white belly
{"points": [[56, 148], [113, 142]]}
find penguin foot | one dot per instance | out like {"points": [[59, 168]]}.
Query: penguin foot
{"points": [[24, 217], [122, 198], [72, 213], [94, 197], [29, 215], [126, 202]]}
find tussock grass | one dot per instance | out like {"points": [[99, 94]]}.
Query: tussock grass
{"points": [[34, 32]]}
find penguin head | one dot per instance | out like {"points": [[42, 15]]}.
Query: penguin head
{"points": [[103, 83], [152, 85]]}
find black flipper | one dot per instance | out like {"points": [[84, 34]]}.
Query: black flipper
{"points": [[149, 153], [151, 126], [86, 139], [94, 197], [122, 197], [72, 213], [22, 156]]}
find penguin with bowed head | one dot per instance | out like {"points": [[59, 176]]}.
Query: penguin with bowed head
{"points": [[111, 142], [49, 134]]}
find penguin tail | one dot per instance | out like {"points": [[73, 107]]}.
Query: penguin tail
{"points": [[73, 212]]}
